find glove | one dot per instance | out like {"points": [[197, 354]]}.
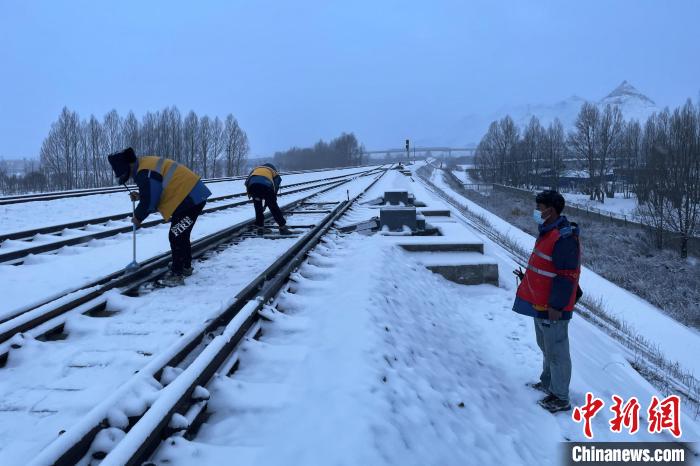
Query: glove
{"points": [[553, 314], [134, 196], [519, 273]]}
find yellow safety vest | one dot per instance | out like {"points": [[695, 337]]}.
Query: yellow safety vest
{"points": [[178, 181], [267, 172]]}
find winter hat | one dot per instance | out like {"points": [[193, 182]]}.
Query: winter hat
{"points": [[120, 163], [269, 165]]}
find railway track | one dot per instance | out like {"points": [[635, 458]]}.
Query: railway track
{"points": [[54, 195], [18, 245], [47, 317], [50, 196], [179, 374], [639, 348]]}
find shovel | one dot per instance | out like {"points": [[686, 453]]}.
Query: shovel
{"points": [[133, 265]]}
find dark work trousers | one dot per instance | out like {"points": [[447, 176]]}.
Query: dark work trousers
{"points": [[181, 225], [261, 193]]}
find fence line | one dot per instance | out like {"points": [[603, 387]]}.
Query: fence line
{"points": [[671, 239]]}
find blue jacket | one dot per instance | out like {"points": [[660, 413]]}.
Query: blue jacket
{"points": [[151, 188]]}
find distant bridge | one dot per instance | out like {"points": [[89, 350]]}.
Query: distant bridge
{"points": [[423, 150]]}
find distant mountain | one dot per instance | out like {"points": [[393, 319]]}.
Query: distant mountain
{"points": [[632, 103]]}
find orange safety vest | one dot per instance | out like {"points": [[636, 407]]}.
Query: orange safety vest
{"points": [[536, 286], [178, 181]]}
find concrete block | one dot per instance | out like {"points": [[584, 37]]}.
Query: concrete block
{"points": [[465, 268], [396, 217], [435, 213], [396, 197], [443, 247], [468, 274]]}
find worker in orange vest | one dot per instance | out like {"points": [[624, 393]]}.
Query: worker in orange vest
{"points": [[548, 292]]}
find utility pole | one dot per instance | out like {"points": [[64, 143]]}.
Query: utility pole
{"points": [[408, 152]]}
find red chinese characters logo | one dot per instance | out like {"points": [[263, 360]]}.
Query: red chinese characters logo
{"points": [[661, 414], [588, 412], [625, 416], [665, 415]]}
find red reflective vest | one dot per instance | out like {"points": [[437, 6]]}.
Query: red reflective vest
{"points": [[536, 286]]}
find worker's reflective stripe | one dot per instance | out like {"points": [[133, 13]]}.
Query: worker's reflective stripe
{"points": [[542, 255], [159, 165], [169, 176], [541, 272]]}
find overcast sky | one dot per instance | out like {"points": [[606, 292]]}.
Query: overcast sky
{"points": [[293, 72]]}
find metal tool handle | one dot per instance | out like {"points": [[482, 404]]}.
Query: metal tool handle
{"points": [[133, 227]]}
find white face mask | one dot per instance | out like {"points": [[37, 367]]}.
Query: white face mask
{"points": [[537, 217]]}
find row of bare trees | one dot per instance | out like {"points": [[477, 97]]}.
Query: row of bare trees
{"points": [[507, 156], [668, 182], [73, 155], [658, 161], [343, 151]]}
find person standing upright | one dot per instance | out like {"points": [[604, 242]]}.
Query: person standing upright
{"points": [[548, 292]]}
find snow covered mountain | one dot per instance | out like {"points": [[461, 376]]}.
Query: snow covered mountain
{"points": [[633, 104]]}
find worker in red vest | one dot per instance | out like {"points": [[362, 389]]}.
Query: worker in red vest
{"points": [[548, 291]]}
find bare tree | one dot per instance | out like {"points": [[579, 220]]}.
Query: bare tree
{"points": [[609, 133], [630, 154], [204, 140], [531, 149], [217, 145], [130, 130], [486, 155], [683, 180], [235, 145], [583, 141], [114, 136], [555, 150], [650, 187], [96, 147], [190, 132]]}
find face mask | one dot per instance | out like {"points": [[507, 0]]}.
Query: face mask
{"points": [[537, 217]]}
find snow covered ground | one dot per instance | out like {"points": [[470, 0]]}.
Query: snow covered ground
{"points": [[47, 386], [677, 341], [36, 280], [617, 205], [374, 360], [401, 367]]}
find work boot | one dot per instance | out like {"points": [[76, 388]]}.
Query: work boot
{"points": [[538, 386], [172, 280], [285, 231], [187, 271], [259, 231], [553, 404]]}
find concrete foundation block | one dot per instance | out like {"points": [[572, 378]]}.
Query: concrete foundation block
{"points": [[395, 218], [443, 247], [435, 213], [396, 197], [468, 274]]}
